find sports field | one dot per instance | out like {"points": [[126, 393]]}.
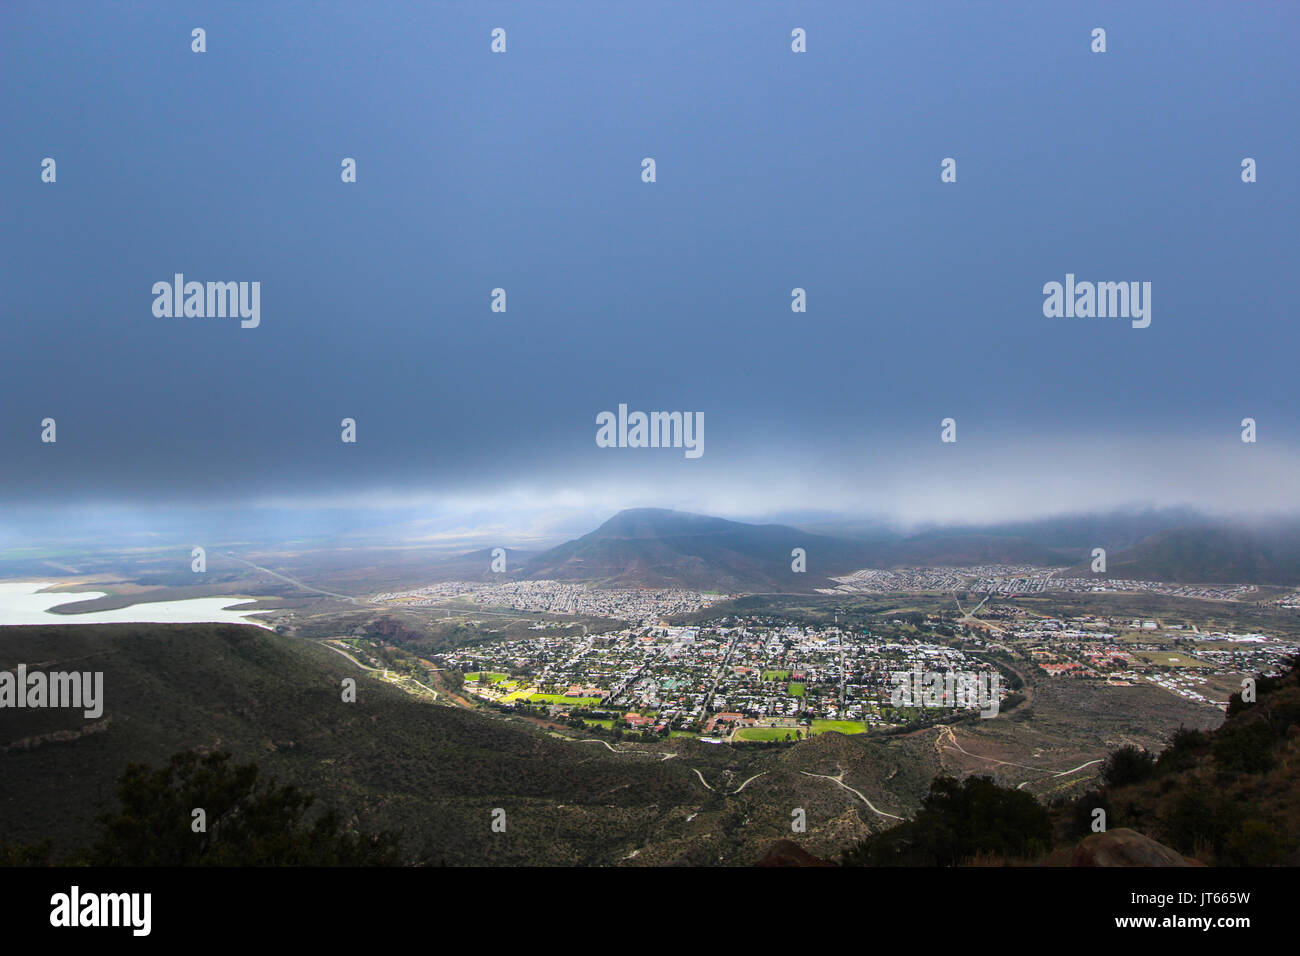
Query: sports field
{"points": [[1171, 659], [841, 726], [562, 699], [768, 733]]}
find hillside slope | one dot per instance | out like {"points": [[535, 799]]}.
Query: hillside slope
{"points": [[1227, 797], [1209, 554], [388, 761]]}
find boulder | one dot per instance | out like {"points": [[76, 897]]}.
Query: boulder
{"points": [[789, 853], [1125, 847]]}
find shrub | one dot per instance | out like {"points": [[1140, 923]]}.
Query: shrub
{"points": [[1127, 765], [248, 822], [1254, 843], [1080, 821], [1244, 748], [1182, 750], [1201, 818], [958, 821]]}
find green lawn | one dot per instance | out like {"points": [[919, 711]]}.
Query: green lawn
{"points": [[795, 690], [776, 675], [769, 733], [561, 699], [1171, 659], [842, 726], [488, 676]]}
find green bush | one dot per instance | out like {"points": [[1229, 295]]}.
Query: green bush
{"points": [[247, 822], [1254, 843], [960, 820], [1127, 765], [1200, 818], [1244, 748], [1184, 746], [1080, 820]]}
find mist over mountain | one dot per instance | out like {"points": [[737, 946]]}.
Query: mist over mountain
{"points": [[954, 548], [658, 547], [655, 547], [1210, 554], [477, 565], [1081, 531]]}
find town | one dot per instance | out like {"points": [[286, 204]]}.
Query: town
{"points": [[1009, 579], [732, 679], [747, 679], [640, 605]]}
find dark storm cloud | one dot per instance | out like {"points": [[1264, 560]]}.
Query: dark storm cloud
{"points": [[775, 170]]}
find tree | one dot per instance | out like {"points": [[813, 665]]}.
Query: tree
{"points": [[960, 820], [1127, 765], [1244, 748], [1201, 819], [30, 854], [1255, 843], [1184, 746], [248, 822]]}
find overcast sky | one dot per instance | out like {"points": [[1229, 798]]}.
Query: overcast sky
{"points": [[775, 170]]}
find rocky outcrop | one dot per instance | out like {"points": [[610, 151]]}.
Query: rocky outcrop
{"points": [[1125, 847], [789, 853], [58, 736]]}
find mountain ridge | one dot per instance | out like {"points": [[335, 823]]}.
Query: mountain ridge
{"points": [[662, 547]]}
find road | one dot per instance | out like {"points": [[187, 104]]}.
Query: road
{"points": [[748, 782], [858, 794], [338, 650], [708, 698], [596, 740], [946, 733], [289, 580], [613, 696], [382, 672]]}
